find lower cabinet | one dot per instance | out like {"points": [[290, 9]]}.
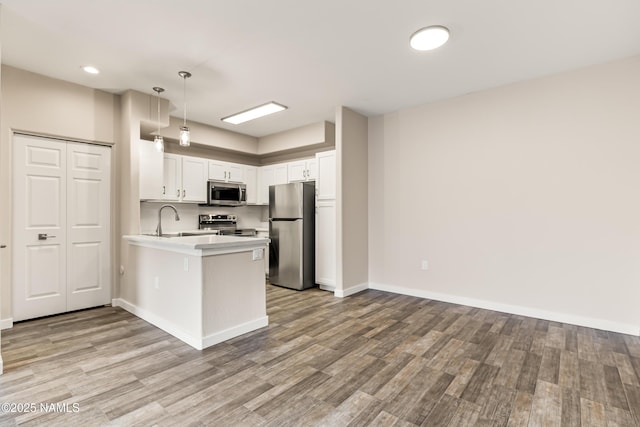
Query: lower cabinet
{"points": [[326, 244]]}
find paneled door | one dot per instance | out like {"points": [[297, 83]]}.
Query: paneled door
{"points": [[61, 226], [88, 225], [40, 229]]}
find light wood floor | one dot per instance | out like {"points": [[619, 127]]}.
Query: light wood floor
{"points": [[371, 359]]}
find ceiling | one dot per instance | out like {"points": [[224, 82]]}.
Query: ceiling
{"points": [[310, 55]]}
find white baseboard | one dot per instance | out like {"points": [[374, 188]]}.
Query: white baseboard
{"points": [[238, 330], [588, 322], [198, 343], [6, 323], [341, 293], [327, 288]]}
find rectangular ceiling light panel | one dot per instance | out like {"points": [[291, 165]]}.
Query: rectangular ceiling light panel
{"points": [[254, 113]]}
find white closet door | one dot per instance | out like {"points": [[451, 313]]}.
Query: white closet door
{"points": [[88, 225], [39, 224]]}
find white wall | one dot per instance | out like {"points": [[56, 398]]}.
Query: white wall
{"points": [[351, 202], [522, 198]]}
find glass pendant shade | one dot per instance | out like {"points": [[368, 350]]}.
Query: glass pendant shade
{"points": [[185, 137], [158, 143]]}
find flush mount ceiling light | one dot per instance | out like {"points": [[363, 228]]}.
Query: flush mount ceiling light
{"points": [[90, 69], [254, 113], [429, 38], [185, 137], [158, 141]]}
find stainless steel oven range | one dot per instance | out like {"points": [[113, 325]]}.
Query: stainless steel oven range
{"points": [[225, 224]]}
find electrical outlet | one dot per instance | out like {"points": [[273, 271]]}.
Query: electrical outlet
{"points": [[425, 264], [257, 254]]}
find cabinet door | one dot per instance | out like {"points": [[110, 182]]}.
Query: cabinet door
{"points": [[194, 179], [171, 177], [251, 180], [266, 177], [235, 172], [150, 177], [312, 170], [326, 244], [326, 175], [217, 170], [280, 175], [297, 171]]}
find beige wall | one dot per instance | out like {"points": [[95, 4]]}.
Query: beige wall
{"points": [[43, 106], [522, 198], [351, 202], [213, 137], [319, 136]]}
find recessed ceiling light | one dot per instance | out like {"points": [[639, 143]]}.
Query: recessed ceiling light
{"points": [[429, 38], [254, 113], [91, 70]]}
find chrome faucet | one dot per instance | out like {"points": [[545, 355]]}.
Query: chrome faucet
{"points": [[159, 227]]}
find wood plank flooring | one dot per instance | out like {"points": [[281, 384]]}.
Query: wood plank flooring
{"points": [[372, 359]]}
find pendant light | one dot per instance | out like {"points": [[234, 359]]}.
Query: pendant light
{"points": [[158, 141], [185, 137]]}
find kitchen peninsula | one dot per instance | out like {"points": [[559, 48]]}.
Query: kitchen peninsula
{"points": [[200, 289]]}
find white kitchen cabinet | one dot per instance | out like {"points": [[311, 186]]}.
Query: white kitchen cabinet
{"points": [[326, 220], [326, 244], [150, 177], [251, 181], [302, 170], [194, 180], [326, 175], [270, 175], [171, 177], [225, 171]]}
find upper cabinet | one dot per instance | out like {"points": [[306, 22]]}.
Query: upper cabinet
{"points": [[194, 179], [178, 178], [225, 171], [151, 170], [302, 170], [326, 175], [251, 181], [270, 175], [184, 179], [171, 177]]}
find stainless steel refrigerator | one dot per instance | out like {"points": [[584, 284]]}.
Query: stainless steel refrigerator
{"points": [[292, 234]]}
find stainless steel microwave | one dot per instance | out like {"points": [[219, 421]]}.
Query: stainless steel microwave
{"points": [[220, 193]]}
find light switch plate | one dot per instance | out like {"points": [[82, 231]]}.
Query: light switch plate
{"points": [[257, 254]]}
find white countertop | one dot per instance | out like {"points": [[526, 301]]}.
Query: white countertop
{"points": [[199, 245]]}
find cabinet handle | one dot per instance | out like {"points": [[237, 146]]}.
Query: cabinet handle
{"points": [[184, 193], [164, 189], [44, 236], [178, 192], [3, 246]]}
